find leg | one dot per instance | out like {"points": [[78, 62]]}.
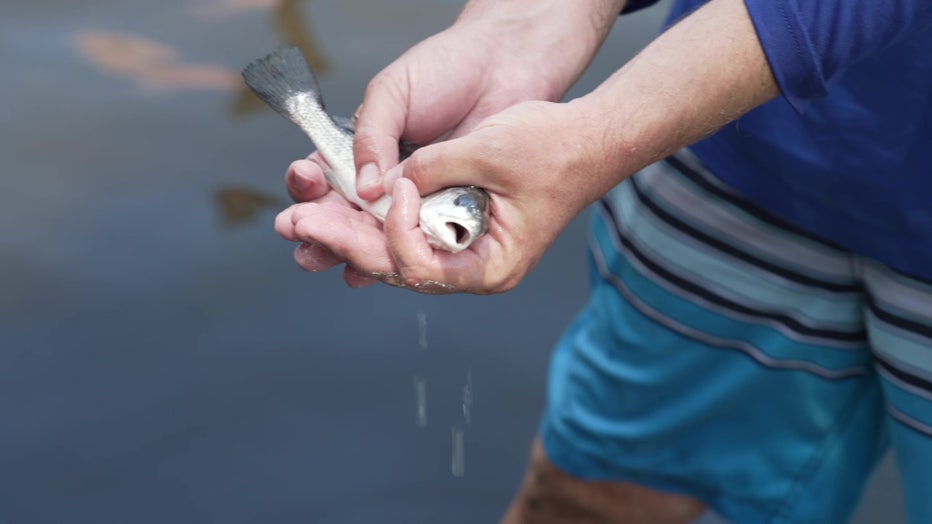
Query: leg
{"points": [[550, 496], [722, 356]]}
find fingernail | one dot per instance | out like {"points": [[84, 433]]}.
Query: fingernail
{"points": [[368, 177], [300, 183]]}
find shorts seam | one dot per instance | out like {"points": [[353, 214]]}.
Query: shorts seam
{"points": [[811, 468]]}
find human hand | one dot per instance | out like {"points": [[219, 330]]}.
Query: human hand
{"points": [[314, 197], [543, 162], [496, 55], [541, 165], [331, 231]]}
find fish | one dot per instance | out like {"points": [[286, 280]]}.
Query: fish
{"points": [[451, 219]]}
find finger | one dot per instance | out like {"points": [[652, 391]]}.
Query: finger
{"points": [[445, 164], [352, 235], [355, 279], [305, 180], [379, 127], [423, 268], [284, 224], [285, 220], [314, 257], [413, 256], [332, 207]]}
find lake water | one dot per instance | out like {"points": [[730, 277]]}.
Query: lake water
{"points": [[163, 359]]}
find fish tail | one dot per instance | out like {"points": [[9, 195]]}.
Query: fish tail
{"points": [[281, 75]]}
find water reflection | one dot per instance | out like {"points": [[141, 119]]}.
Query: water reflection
{"points": [[238, 205], [150, 64], [291, 27], [215, 9], [155, 66], [294, 29]]}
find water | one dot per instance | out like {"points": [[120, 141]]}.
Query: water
{"points": [[467, 397], [422, 329], [458, 460], [163, 360], [420, 402]]}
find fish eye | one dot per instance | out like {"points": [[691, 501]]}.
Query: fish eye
{"points": [[466, 201]]}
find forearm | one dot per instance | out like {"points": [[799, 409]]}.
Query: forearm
{"points": [[704, 72], [550, 41]]}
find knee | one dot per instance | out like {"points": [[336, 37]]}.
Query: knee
{"points": [[550, 496]]}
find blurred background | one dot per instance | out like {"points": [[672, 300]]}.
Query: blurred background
{"points": [[164, 360]]}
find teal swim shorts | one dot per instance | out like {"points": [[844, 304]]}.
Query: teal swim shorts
{"points": [[727, 355]]}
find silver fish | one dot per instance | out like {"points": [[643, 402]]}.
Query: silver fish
{"points": [[451, 219]]}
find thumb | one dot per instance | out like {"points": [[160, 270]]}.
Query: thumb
{"points": [[438, 166], [380, 124]]}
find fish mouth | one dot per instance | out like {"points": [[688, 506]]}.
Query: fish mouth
{"points": [[454, 218], [460, 233], [454, 234]]}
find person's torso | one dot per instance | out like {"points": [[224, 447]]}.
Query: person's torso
{"points": [[853, 168]]}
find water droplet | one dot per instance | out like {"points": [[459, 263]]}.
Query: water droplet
{"points": [[420, 401], [467, 396], [422, 329], [458, 462]]}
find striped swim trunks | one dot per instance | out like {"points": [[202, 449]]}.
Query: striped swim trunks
{"points": [[727, 355]]}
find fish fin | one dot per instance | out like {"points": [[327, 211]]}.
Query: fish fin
{"points": [[280, 75], [405, 148], [347, 124]]}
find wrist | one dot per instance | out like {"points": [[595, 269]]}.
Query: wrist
{"points": [[541, 43], [702, 73], [603, 155], [627, 127]]}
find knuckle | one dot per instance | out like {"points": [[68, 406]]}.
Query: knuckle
{"points": [[298, 212], [366, 146], [416, 166], [383, 83], [301, 229], [505, 283], [375, 84], [304, 229], [501, 287]]}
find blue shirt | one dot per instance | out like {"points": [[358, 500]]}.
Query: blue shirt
{"points": [[846, 152]]}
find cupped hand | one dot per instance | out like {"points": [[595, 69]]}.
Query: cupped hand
{"points": [[541, 165], [327, 222], [492, 61], [333, 231], [541, 162]]}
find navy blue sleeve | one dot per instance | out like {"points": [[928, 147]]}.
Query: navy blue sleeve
{"points": [[634, 5], [810, 43]]}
